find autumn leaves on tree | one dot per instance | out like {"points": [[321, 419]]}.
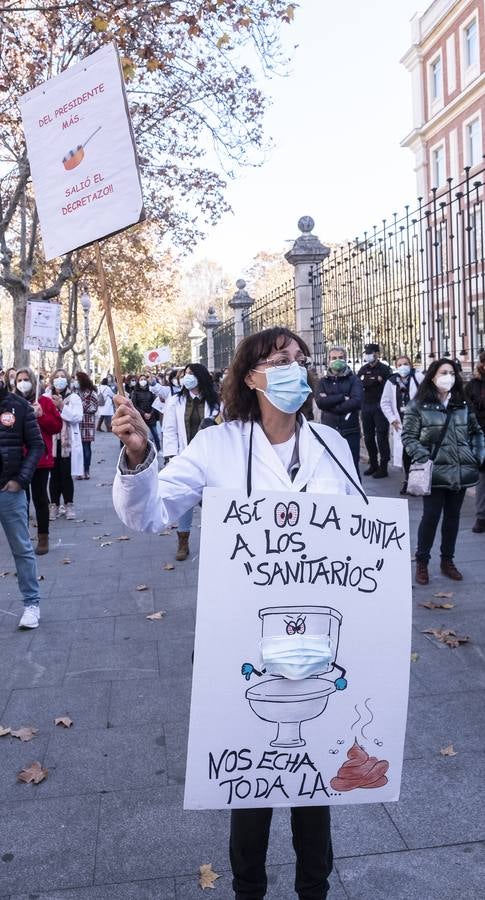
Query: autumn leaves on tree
{"points": [[191, 71]]}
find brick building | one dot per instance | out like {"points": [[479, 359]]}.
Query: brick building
{"points": [[447, 65]]}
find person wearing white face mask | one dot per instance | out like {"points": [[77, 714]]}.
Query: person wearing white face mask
{"points": [[264, 444], [400, 388], [67, 447], [142, 399], [184, 415], [439, 426], [373, 376], [50, 423]]}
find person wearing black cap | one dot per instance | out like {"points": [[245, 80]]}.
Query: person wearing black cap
{"points": [[373, 376]]}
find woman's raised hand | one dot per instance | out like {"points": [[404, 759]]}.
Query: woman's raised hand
{"points": [[129, 426]]}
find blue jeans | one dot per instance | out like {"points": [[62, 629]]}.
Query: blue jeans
{"points": [[15, 522], [185, 521]]}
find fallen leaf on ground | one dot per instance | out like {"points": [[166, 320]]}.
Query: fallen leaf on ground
{"points": [[63, 720], [4, 730], [33, 773], [66, 561], [447, 636], [168, 567], [4, 574], [156, 616], [106, 543], [165, 533], [123, 537], [430, 605], [25, 732], [104, 484], [100, 461], [106, 533], [448, 751], [141, 587], [96, 522], [414, 657], [207, 876], [40, 577], [444, 594]]}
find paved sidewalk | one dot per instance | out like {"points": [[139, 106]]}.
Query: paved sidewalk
{"points": [[108, 822]]}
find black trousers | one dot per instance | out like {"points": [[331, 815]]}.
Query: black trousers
{"points": [[61, 483], [353, 441], [312, 842], [439, 501], [375, 425], [40, 499]]}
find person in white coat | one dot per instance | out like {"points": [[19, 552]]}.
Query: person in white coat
{"points": [[264, 444], [106, 409], [67, 448], [184, 414], [399, 389]]}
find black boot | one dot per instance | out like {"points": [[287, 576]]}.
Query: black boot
{"points": [[479, 526], [371, 468], [381, 471], [404, 488]]}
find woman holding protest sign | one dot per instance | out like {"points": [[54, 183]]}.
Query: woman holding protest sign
{"points": [[265, 444], [50, 423]]}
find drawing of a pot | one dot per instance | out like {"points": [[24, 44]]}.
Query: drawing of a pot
{"points": [[75, 157]]}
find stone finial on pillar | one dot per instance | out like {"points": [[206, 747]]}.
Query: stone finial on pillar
{"points": [[306, 251], [196, 336], [239, 303], [211, 322]]}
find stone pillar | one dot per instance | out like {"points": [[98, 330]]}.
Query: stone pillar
{"points": [[239, 303], [196, 336], [211, 322], [306, 251]]}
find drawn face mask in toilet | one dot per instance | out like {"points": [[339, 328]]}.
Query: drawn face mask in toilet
{"points": [[296, 656]]}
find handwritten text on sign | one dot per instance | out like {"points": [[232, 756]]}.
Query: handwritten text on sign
{"points": [[302, 651], [82, 154]]}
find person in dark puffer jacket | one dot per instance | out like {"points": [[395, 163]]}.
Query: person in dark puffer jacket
{"points": [[455, 466], [339, 396], [475, 394], [19, 430]]}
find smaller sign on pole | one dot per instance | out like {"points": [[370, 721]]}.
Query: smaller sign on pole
{"points": [[42, 323], [157, 357]]}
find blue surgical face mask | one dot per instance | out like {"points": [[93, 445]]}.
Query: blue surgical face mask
{"points": [[287, 387], [189, 381], [296, 656], [60, 383], [404, 371]]}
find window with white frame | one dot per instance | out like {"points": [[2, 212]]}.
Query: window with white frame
{"points": [[470, 44], [438, 165], [436, 79], [473, 142]]}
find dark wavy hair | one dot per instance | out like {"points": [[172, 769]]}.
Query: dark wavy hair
{"points": [[240, 402], [206, 385], [428, 393], [85, 383]]}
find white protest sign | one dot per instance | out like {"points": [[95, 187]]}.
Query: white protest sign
{"points": [[318, 570], [42, 322], [157, 356], [82, 154]]}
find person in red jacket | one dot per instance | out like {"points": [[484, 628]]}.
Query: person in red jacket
{"points": [[50, 422]]}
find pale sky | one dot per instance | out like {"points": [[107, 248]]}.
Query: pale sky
{"points": [[336, 123]]}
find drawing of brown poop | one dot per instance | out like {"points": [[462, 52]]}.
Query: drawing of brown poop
{"points": [[360, 771]]}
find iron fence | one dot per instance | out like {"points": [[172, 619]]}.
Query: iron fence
{"points": [[416, 285], [224, 344], [203, 358], [275, 308]]}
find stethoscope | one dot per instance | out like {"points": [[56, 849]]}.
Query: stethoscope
{"points": [[303, 489]]}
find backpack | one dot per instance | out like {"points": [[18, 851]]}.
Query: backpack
{"points": [[101, 399]]}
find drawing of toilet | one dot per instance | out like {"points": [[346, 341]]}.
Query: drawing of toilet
{"points": [[287, 702]]}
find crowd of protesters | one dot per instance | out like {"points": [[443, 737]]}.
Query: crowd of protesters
{"points": [[404, 415]]}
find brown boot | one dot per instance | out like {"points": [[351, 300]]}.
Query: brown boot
{"points": [[449, 569], [422, 576], [42, 544], [183, 547]]}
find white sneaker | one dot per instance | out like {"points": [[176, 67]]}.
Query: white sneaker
{"points": [[30, 618], [53, 512], [70, 514], [61, 511]]}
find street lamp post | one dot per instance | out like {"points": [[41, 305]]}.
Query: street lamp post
{"points": [[86, 305]]}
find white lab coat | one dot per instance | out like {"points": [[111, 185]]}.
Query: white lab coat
{"points": [[174, 430], [72, 414], [108, 407], [218, 457], [391, 412]]}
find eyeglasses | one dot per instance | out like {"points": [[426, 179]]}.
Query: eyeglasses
{"points": [[282, 362]]}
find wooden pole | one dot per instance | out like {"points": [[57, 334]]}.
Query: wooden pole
{"points": [[109, 320]]}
